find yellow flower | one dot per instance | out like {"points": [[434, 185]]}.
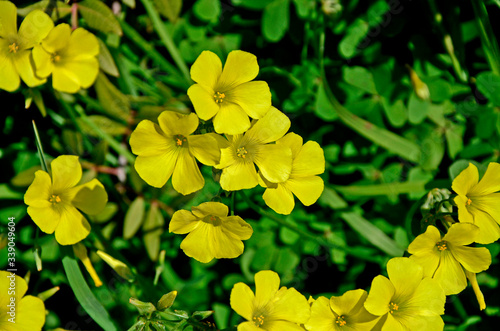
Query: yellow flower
{"points": [[19, 312], [341, 313], [308, 161], [445, 259], [15, 47], [271, 308], [242, 152], [477, 201], [169, 149], [52, 203], [212, 234], [405, 301], [69, 57], [228, 95]]}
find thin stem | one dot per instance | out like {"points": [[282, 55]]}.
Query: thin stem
{"points": [[40, 148], [488, 40], [165, 37], [233, 202]]}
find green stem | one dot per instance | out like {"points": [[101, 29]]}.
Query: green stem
{"points": [[488, 40], [40, 148], [165, 37], [460, 308], [302, 233], [71, 113]]}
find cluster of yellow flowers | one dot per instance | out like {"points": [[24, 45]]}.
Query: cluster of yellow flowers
{"points": [[39, 49]]}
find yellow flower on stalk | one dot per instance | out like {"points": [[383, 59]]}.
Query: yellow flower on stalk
{"points": [[445, 258], [228, 95], [478, 202], [341, 313], [240, 153], [405, 301], [212, 234], [170, 150], [69, 56], [15, 47], [19, 312], [271, 308], [308, 161], [53, 201]]}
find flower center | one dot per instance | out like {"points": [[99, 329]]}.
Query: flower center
{"points": [[13, 48], [54, 199], [219, 97], [213, 220], [241, 152], [55, 57], [441, 245], [180, 140], [341, 321], [469, 201], [258, 320], [393, 307]]}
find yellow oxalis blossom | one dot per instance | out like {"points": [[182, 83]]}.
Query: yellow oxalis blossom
{"points": [[69, 56], [308, 161], [26, 313], [169, 149], [53, 202], [341, 313], [15, 47], [405, 301], [271, 308], [228, 95], [212, 234], [445, 259], [240, 153], [477, 201]]}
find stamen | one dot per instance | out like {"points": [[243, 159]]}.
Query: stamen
{"points": [[393, 307], [219, 97], [180, 140], [341, 321], [468, 202], [54, 199], [55, 58], [258, 320], [441, 245], [241, 152], [13, 48]]}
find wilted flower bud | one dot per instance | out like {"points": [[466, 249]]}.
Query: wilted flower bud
{"points": [[420, 88]]}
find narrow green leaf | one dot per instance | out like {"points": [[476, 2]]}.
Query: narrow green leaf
{"points": [[85, 296], [106, 61], [153, 228], [112, 99], [169, 8], [275, 20], [60, 11], [25, 177], [105, 124], [381, 189], [252, 4], [372, 233], [488, 84], [134, 218], [99, 16], [331, 198], [7, 193]]}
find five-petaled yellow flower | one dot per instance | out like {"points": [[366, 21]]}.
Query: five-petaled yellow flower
{"points": [[240, 153], [445, 258], [271, 308], [15, 47], [169, 149], [53, 202], [212, 234], [228, 95], [405, 301], [341, 313], [69, 56], [308, 161], [19, 312], [478, 202]]}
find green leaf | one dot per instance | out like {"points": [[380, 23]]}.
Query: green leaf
{"points": [[360, 77], [106, 61], [489, 85], [439, 89], [417, 109], [153, 228], [348, 46], [7, 193], [112, 99], [454, 138], [275, 20], [169, 8], [207, 10], [432, 150], [105, 124], [252, 4], [372, 233], [396, 113], [354, 191], [99, 16], [457, 167], [60, 11], [322, 107], [85, 296], [25, 177], [331, 199], [134, 218]]}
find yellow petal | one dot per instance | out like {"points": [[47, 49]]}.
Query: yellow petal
{"points": [[30, 314], [488, 203], [238, 176], [65, 80], [347, 302], [34, 28], [198, 242], [82, 45], [235, 226], [206, 69], [21, 287], [427, 300], [43, 65], [91, 197], [477, 291], [81, 252], [147, 139], [309, 161], [253, 97], [428, 261], [46, 218], [204, 148], [66, 172], [269, 128], [474, 259], [39, 191], [380, 295], [183, 222], [25, 68], [279, 199], [274, 161], [227, 157], [231, 119], [210, 208], [248, 326], [225, 245], [8, 18], [203, 101], [489, 231], [394, 324], [72, 228], [464, 215], [274, 325], [490, 182], [173, 123], [466, 180], [461, 234], [57, 39], [85, 70], [293, 141], [450, 274], [425, 243], [404, 274], [10, 78], [241, 300], [306, 189], [240, 67], [267, 283], [322, 317], [187, 177]]}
